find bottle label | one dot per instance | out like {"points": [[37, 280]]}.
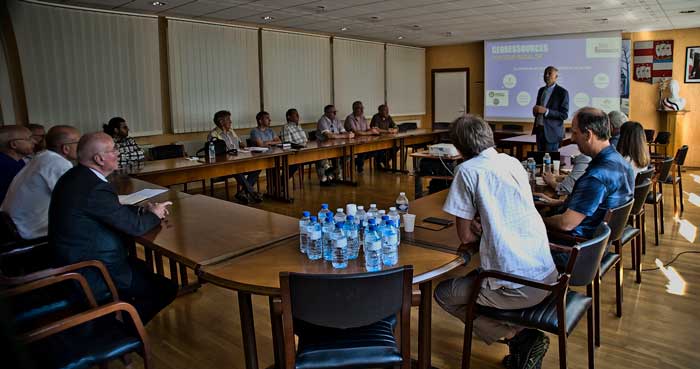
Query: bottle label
{"points": [[374, 246], [391, 239], [352, 234], [402, 207], [340, 243], [315, 235]]}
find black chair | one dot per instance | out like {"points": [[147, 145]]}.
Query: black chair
{"points": [[408, 126], [675, 180], [20, 256], [170, 152], [85, 339], [539, 156], [348, 320], [660, 143], [512, 127], [635, 227], [441, 125], [561, 311], [656, 197], [649, 134], [639, 218]]}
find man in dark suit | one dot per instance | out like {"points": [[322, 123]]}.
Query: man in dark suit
{"points": [[86, 222], [550, 112]]}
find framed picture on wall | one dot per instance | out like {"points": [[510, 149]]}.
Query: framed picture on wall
{"points": [[692, 64]]}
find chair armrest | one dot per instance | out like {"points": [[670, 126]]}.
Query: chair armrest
{"points": [[66, 269], [516, 279], [562, 236], [86, 316], [45, 282], [562, 248], [13, 248]]}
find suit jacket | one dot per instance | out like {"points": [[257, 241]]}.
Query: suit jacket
{"points": [[558, 106], [86, 222]]}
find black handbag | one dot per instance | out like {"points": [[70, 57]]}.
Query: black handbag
{"points": [[219, 147]]}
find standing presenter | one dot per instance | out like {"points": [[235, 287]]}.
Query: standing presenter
{"points": [[551, 110]]}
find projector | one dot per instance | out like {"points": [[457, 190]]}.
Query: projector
{"points": [[443, 149]]}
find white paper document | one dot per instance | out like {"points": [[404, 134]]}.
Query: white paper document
{"points": [[139, 196]]}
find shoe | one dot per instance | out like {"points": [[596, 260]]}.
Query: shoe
{"points": [[241, 198], [381, 165], [256, 197], [527, 349]]}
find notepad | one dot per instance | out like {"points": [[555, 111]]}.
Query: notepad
{"points": [[139, 196], [258, 149]]}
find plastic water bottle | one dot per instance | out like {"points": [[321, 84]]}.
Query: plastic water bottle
{"points": [[212, 151], [361, 222], [326, 231], [373, 249], [390, 251], [396, 218], [352, 234], [531, 171], [380, 215], [546, 163], [339, 216], [402, 203], [315, 249], [322, 213], [339, 247], [372, 212], [303, 235]]}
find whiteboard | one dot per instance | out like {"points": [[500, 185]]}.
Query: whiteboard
{"points": [[450, 95]]}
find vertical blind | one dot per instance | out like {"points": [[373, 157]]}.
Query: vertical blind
{"points": [[212, 67], [405, 84], [82, 67], [6, 102], [358, 74], [296, 74]]}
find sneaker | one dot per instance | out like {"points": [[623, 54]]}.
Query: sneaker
{"points": [[527, 350], [241, 198]]}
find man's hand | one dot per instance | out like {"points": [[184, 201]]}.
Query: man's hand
{"points": [[539, 109], [550, 179], [351, 135], [393, 130], [374, 130], [475, 226], [159, 209]]}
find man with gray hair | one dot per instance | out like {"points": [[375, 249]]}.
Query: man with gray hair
{"points": [[87, 222], [617, 119], [27, 200], [15, 144], [496, 217]]}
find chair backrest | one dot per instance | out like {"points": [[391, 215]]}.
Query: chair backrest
{"points": [[640, 195], [680, 155], [590, 254], [408, 126], [665, 168], [167, 152], [617, 219], [8, 230], [441, 125], [539, 155], [346, 300], [649, 133], [663, 137], [513, 127], [312, 135], [644, 175]]}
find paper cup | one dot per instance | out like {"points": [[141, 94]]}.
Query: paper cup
{"points": [[556, 165], [351, 209], [409, 221]]}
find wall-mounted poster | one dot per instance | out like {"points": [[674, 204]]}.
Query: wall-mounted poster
{"points": [[653, 61], [692, 64], [625, 67]]}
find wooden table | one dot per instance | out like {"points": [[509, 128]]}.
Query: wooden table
{"points": [[258, 273], [430, 235], [418, 177], [519, 143]]}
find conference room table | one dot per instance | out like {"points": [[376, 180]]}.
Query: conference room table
{"points": [[277, 161], [519, 143], [258, 272]]}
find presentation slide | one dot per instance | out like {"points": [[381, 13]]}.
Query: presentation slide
{"points": [[588, 64]]}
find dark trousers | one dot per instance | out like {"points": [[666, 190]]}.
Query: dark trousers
{"points": [[542, 144], [148, 292], [248, 180]]}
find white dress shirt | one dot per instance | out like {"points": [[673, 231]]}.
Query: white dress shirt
{"points": [[514, 239], [27, 200]]}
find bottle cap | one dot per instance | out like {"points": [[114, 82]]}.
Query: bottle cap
{"points": [[339, 224], [324, 206], [350, 218], [402, 194], [306, 213], [385, 217], [393, 208], [372, 221], [382, 212], [329, 219], [313, 218], [372, 205], [360, 207], [339, 210]]}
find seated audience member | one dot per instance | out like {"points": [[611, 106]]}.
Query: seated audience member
{"points": [[633, 146], [87, 222], [385, 124], [330, 128], [15, 143], [27, 200], [564, 184], [492, 202], [129, 152], [356, 123], [617, 118], [223, 131], [607, 183], [294, 134], [263, 135], [38, 134]]}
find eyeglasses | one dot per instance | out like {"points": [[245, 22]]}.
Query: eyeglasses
{"points": [[70, 143], [21, 139], [113, 151]]}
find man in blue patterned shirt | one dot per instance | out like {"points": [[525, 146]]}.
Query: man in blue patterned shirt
{"points": [[607, 183]]}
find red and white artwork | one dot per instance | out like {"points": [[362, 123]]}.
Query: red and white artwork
{"points": [[653, 61]]}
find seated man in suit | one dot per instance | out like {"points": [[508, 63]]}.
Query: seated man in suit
{"points": [[27, 200], [15, 144], [87, 222], [330, 128], [607, 183]]}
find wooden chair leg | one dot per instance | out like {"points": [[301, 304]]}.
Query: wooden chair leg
{"points": [[618, 287], [211, 187], [562, 346], [467, 346], [644, 232], [204, 187], [589, 338], [596, 307], [661, 215], [184, 187], [680, 189], [656, 225], [675, 206], [228, 198]]}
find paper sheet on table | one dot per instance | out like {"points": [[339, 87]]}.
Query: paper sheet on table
{"points": [[258, 149], [139, 196]]}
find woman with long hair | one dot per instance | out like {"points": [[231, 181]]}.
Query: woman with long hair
{"points": [[633, 146]]}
